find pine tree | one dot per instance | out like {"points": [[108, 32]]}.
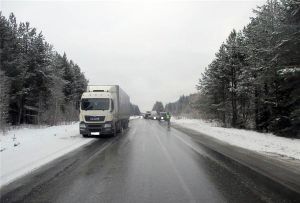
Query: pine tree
{"points": [[158, 107], [40, 79], [134, 110], [4, 102], [255, 78]]}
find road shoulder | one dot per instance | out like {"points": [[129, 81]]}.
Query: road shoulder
{"points": [[28, 148], [283, 172]]}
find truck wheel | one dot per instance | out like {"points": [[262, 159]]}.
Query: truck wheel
{"points": [[126, 124], [119, 126], [121, 130], [115, 132]]}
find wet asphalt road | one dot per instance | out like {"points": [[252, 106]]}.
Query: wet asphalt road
{"points": [[147, 163]]}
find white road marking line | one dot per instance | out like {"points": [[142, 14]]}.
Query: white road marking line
{"points": [[188, 144], [203, 153]]}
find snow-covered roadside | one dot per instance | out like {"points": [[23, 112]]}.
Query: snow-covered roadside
{"points": [[134, 117], [25, 149], [266, 143]]}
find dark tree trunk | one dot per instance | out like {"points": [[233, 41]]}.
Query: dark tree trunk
{"points": [[233, 97], [256, 109], [234, 110], [224, 106]]}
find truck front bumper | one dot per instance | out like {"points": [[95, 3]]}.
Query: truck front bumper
{"points": [[91, 128]]}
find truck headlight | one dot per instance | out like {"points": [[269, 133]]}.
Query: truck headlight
{"points": [[107, 125], [82, 125]]}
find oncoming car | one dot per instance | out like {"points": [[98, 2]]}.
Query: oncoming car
{"points": [[154, 115], [162, 116]]}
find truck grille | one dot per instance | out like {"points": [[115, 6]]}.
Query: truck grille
{"points": [[94, 118], [94, 127]]}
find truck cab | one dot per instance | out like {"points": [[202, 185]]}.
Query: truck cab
{"points": [[101, 111]]}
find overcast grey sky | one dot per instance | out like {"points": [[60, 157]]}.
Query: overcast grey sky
{"points": [[153, 50]]}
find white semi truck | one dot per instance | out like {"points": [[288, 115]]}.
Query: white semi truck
{"points": [[104, 109]]}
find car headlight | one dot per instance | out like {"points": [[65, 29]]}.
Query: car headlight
{"points": [[162, 118], [154, 117], [82, 125], [107, 125]]}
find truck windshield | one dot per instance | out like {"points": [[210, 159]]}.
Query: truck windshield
{"points": [[95, 104]]}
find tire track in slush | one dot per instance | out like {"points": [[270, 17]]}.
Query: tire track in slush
{"points": [[180, 178]]}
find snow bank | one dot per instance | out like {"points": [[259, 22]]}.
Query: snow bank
{"points": [[23, 150], [266, 143], [134, 117]]}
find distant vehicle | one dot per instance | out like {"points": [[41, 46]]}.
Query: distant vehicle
{"points": [[104, 109], [154, 115], [147, 115], [162, 116]]}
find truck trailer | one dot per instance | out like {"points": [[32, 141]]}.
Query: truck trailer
{"points": [[104, 109]]}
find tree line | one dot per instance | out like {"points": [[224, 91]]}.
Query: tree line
{"points": [[158, 107], [134, 110], [185, 106], [38, 85], [254, 80]]}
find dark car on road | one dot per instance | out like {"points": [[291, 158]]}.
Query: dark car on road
{"points": [[162, 116], [147, 115]]}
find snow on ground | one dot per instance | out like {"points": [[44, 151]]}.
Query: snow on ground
{"points": [[25, 149], [134, 117], [266, 143]]}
